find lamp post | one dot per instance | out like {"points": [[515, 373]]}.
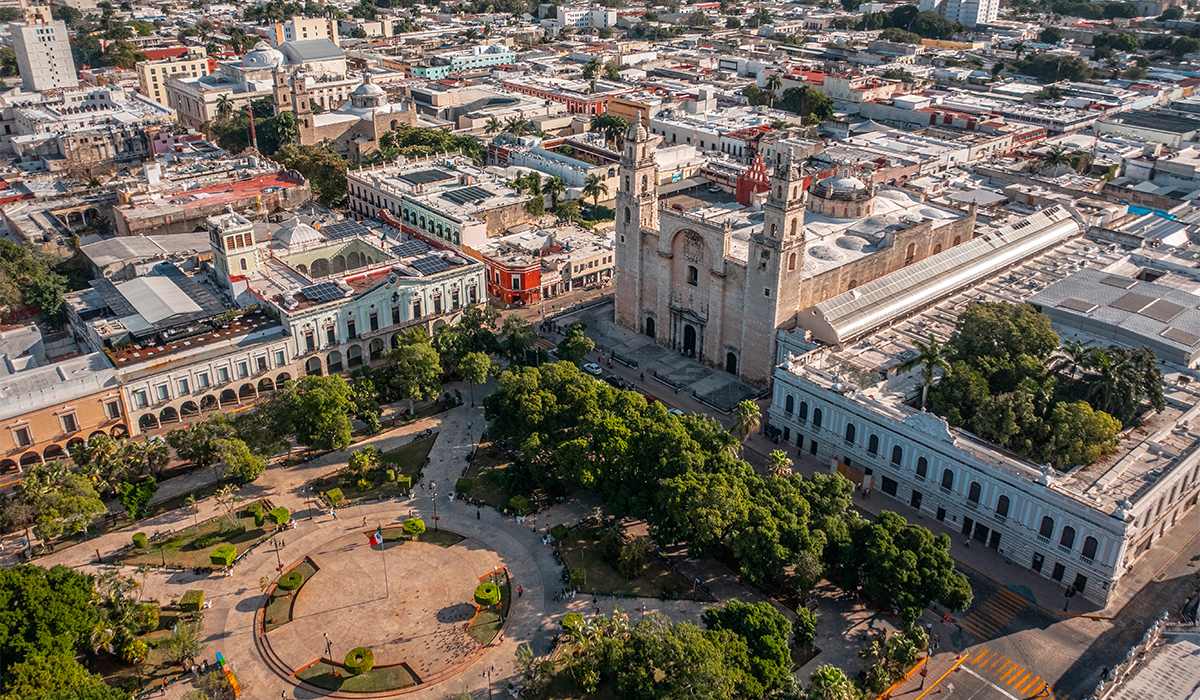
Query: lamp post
{"points": [[161, 554], [278, 561], [328, 648], [435, 515], [488, 672]]}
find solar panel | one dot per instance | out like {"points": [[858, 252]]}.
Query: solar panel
{"points": [[467, 194], [430, 264], [410, 248], [1162, 310], [1115, 281], [424, 177], [1179, 336], [325, 291], [1132, 302], [346, 229], [1078, 305]]}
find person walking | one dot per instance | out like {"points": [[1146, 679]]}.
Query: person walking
{"points": [[520, 591]]}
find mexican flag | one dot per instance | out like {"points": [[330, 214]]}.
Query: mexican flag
{"points": [[377, 538]]}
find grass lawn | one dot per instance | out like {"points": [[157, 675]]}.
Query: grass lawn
{"points": [[487, 473], [378, 679], [156, 667], [191, 546], [279, 608], [407, 460], [581, 550], [487, 623], [440, 538]]}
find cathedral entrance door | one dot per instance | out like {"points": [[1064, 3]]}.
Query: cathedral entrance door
{"points": [[689, 340], [649, 326]]}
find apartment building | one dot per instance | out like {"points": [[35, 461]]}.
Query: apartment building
{"points": [[153, 75]]}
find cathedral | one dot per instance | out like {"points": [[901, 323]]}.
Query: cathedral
{"points": [[718, 282]]}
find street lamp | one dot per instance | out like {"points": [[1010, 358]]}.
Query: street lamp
{"points": [[488, 672], [279, 561], [328, 647]]}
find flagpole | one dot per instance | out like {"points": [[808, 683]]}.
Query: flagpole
{"points": [[386, 588]]}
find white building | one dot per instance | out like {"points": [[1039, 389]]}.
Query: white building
{"points": [[585, 17], [43, 55], [968, 12]]}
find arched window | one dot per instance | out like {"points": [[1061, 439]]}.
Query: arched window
{"points": [[693, 275], [973, 492], [910, 253], [802, 415], [1047, 527], [873, 444], [795, 222], [1068, 537], [816, 418], [1002, 506], [1089, 547], [644, 185], [627, 214], [948, 479], [774, 230], [957, 240], [850, 432], [792, 261], [778, 193], [626, 183], [897, 455], [937, 249], [789, 405], [243, 262], [922, 467]]}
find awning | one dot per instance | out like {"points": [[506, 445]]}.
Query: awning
{"points": [[673, 187]]}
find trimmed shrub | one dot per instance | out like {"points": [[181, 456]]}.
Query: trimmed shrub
{"points": [[280, 515], [404, 482], [560, 531], [463, 485], [147, 616], [391, 475], [334, 496], [363, 485], [519, 504], [255, 509], [192, 601], [291, 581], [140, 541], [578, 577], [487, 594], [223, 555], [359, 661], [413, 527], [571, 621]]}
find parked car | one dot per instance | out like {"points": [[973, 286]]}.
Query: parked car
{"points": [[615, 381], [592, 368], [675, 412], [714, 190]]}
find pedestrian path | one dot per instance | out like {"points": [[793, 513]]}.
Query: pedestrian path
{"points": [[987, 619], [1012, 677]]}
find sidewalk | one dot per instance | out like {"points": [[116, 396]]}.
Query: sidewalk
{"points": [[928, 678]]}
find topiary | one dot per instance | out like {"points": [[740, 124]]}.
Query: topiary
{"points": [[334, 496], [559, 532], [147, 616], [404, 482], [223, 555], [291, 581], [487, 594], [140, 541], [391, 475], [463, 485], [363, 485], [414, 526], [359, 661], [519, 504], [192, 601], [280, 515]]}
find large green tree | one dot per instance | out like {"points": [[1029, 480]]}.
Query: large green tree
{"points": [[43, 612], [317, 410]]}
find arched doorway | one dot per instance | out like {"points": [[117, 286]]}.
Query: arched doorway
{"points": [[209, 403], [247, 393], [333, 361], [189, 409], [73, 442], [396, 340], [265, 384], [731, 363], [689, 340], [148, 421], [313, 367], [283, 377], [7, 466], [228, 396], [53, 452], [29, 459], [649, 326], [119, 432], [376, 349], [354, 356], [168, 415]]}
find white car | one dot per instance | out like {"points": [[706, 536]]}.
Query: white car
{"points": [[714, 190], [592, 368]]}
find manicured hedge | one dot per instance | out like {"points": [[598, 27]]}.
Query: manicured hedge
{"points": [[192, 601], [487, 594], [519, 504], [140, 541], [256, 510], [360, 660], [334, 495], [391, 475], [463, 485], [404, 482], [223, 555], [291, 581], [560, 531], [280, 515], [414, 526]]}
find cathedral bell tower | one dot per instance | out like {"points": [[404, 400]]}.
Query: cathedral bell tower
{"points": [[637, 211], [774, 267]]}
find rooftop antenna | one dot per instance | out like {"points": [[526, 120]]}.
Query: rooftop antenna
{"points": [[253, 135]]}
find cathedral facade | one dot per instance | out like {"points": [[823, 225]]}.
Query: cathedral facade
{"points": [[718, 284]]}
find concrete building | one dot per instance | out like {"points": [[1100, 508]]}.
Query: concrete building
{"points": [[969, 12], [303, 29], [354, 127], [43, 55], [1171, 130], [153, 75], [476, 58], [535, 265], [585, 17], [717, 282]]}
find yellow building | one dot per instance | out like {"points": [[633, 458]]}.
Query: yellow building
{"points": [[153, 75], [631, 111], [302, 29]]}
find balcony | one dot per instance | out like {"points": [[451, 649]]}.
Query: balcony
{"points": [[945, 490], [1064, 550], [999, 518], [1043, 539], [973, 505], [1086, 560]]}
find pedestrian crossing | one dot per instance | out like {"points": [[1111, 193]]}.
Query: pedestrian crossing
{"points": [[1013, 678], [991, 616]]}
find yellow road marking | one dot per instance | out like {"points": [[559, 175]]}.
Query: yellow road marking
{"points": [[980, 657], [1017, 680], [1004, 665], [1032, 681]]}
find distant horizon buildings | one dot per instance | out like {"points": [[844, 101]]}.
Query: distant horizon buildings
{"points": [[968, 12], [43, 55]]}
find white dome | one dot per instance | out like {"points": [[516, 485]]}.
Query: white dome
{"points": [[263, 56], [368, 90], [298, 235], [843, 183]]}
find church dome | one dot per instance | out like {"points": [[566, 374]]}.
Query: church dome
{"points": [[636, 132], [368, 95], [843, 183], [263, 56], [843, 195], [368, 90], [298, 234]]}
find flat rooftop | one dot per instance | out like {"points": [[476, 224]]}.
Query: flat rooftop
{"points": [[210, 196], [40, 387]]}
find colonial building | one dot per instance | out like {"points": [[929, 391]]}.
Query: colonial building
{"points": [[354, 127], [716, 283]]}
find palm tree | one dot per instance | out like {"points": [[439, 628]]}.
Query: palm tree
{"points": [[287, 129], [593, 187], [778, 464], [228, 500], [729, 445], [1019, 48], [829, 683], [1109, 381], [773, 84], [1073, 356], [516, 126], [552, 188], [746, 418], [1054, 158], [931, 358], [493, 125], [224, 107], [191, 504]]}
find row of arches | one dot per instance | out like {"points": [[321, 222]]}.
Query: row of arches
{"points": [[248, 392], [57, 452], [324, 267], [336, 362]]}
